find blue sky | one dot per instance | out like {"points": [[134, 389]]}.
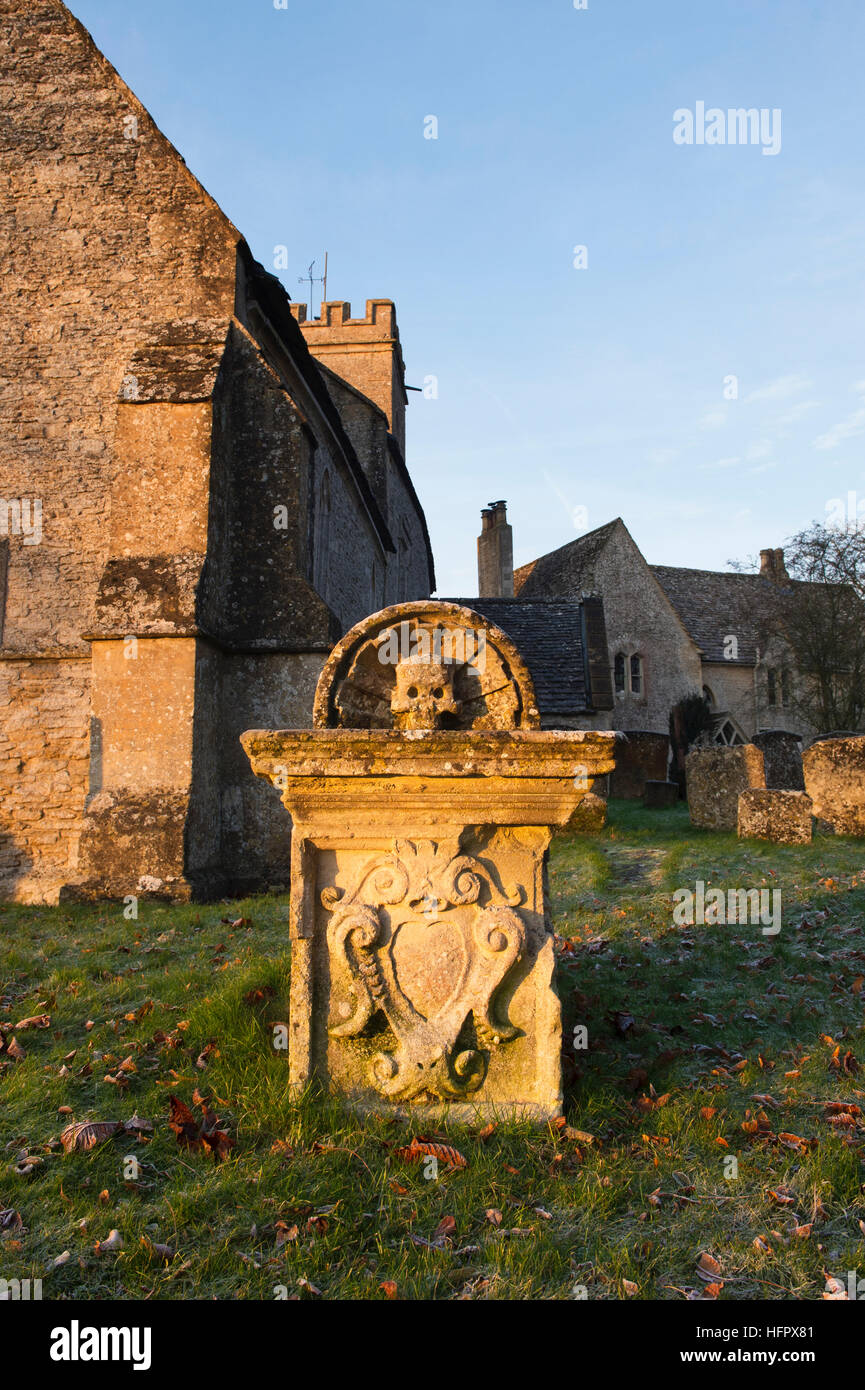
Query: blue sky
{"points": [[576, 394]]}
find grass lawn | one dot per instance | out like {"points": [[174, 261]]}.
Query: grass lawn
{"points": [[705, 1044]]}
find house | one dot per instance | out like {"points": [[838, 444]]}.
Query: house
{"points": [[674, 632]]}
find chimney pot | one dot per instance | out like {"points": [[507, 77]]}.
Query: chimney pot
{"points": [[767, 564], [495, 553]]}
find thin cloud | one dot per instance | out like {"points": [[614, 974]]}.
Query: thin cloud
{"points": [[719, 463], [781, 389], [760, 449], [713, 420], [796, 412], [845, 429]]}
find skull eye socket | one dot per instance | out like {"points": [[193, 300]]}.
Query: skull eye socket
{"points": [[412, 692], [438, 692]]}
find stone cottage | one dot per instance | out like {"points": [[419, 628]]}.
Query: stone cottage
{"points": [[675, 631], [199, 493]]}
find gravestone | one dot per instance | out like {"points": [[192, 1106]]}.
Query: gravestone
{"points": [[835, 781], [782, 759], [423, 801], [660, 795], [784, 817], [715, 778], [640, 755]]}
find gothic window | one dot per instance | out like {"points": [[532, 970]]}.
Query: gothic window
{"points": [[728, 734], [636, 675], [708, 696], [321, 542], [779, 686], [619, 673], [403, 552]]}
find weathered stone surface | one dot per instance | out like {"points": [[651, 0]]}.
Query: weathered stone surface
{"points": [[640, 755], [782, 759], [715, 778], [200, 480], [484, 682], [422, 953], [132, 845], [660, 794], [589, 815], [835, 781], [785, 817]]}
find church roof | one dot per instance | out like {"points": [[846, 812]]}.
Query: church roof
{"points": [[710, 604], [566, 570], [716, 604], [564, 645]]}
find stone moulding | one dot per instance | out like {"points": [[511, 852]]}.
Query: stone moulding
{"points": [[422, 952]]}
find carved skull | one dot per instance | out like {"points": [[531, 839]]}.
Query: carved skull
{"points": [[423, 695]]}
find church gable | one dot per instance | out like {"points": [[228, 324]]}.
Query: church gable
{"points": [[207, 528]]}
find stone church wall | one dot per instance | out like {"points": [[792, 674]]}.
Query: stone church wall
{"points": [[160, 436], [44, 765], [106, 235]]}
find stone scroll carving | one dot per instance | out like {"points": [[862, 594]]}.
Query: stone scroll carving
{"points": [[414, 943]]}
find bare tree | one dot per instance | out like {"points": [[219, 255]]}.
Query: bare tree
{"points": [[817, 611], [823, 618]]}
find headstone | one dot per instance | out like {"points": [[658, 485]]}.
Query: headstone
{"points": [[589, 815], [423, 801], [660, 795], [782, 759], [835, 781], [784, 817], [639, 755], [715, 778]]}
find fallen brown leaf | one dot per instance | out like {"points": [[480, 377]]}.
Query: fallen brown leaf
{"points": [[424, 1148], [708, 1267]]}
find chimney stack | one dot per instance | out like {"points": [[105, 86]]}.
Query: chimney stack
{"points": [[772, 566], [495, 553]]}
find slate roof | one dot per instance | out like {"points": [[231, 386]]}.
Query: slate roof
{"points": [[710, 604], [564, 645], [567, 570], [713, 604]]}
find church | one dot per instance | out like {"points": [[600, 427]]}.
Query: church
{"points": [[202, 490], [222, 491]]}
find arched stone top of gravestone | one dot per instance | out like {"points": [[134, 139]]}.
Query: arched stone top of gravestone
{"points": [[425, 665]]}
